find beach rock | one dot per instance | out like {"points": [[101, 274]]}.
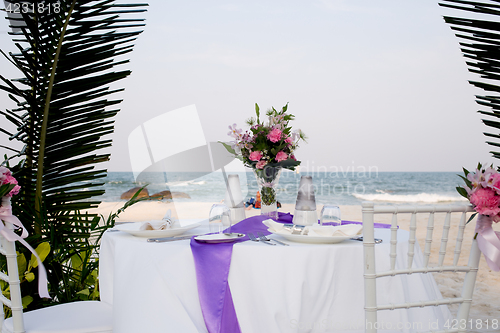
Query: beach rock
{"points": [[169, 195], [130, 193]]}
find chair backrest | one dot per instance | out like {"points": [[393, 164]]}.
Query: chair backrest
{"points": [[11, 276], [369, 210]]}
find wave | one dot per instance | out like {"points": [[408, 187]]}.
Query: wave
{"points": [[421, 197], [189, 182]]}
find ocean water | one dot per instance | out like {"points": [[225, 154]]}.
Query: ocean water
{"points": [[341, 188]]}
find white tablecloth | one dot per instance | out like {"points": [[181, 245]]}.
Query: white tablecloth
{"points": [[297, 288]]}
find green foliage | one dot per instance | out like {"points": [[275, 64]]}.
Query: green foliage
{"points": [[6, 188], [479, 45], [67, 60], [462, 192], [26, 274], [268, 195]]}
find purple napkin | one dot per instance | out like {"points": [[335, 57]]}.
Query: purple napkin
{"points": [[212, 262]]}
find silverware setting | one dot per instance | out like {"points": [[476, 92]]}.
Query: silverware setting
{"points": [[169, 239], [263, 238], [253, 238], [360, 238], [295, 229]]}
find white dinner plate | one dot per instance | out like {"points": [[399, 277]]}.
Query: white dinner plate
{"points": [[312, 239], [219, 238], [133, 229]]}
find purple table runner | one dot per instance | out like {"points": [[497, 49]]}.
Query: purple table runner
{"points": [[212, 262]]}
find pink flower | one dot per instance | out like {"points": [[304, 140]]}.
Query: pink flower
{"points": [[486, 175], [261, 164], [274, 135], [485, 201], [281, 156], [7, 178], [475, 178], [4, 173], [288, 140], [14, 191], [10, 180], [235, 132], [255, 155], [247, 146], [292, 156], [493, 182]]}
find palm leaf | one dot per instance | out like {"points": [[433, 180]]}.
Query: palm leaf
{"points": [[480, 44], [68, 80], [67, 61]]}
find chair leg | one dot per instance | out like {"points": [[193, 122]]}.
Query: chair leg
{"points": [[369, 269], [469, 283]]}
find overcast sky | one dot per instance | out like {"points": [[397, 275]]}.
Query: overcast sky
{"points": [[372, 83]]}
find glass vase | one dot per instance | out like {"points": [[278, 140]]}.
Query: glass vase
{"points": [[267, 180]]}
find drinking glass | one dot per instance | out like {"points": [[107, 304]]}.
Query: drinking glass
{"points": [[219, 218], [330, 214]]}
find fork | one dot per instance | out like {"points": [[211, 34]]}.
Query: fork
{"points": [[263, 237], [252, 237]]}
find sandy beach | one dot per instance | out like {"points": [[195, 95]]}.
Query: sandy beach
{"points": [[485, 304]]}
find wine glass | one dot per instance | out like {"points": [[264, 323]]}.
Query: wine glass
{"points": [[219, 218], [330, 213]]}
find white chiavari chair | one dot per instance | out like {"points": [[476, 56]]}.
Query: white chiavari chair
{"points": [[76, 317], [371, 275]]}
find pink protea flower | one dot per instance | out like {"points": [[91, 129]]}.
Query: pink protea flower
{"points": [[255, 155], [485, 201], [261, 164], [274, 135], [281, 156]]}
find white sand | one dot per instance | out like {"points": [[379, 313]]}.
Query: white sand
{"points": [[486, 301]]}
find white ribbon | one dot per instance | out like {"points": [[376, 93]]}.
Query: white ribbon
{"points": [[7, 217], [488, 241]]}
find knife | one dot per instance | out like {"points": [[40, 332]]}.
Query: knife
{"points": [[169, 239]]}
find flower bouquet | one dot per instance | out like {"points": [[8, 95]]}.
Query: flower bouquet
{"points": [[483, 191], [267, 148], [8, 187]]}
